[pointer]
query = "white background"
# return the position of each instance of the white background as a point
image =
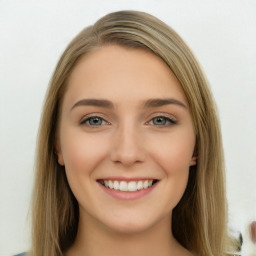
(33, 34)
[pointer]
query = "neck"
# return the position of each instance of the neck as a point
(95, 239)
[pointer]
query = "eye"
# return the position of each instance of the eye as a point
(94, 121)
(162, 121)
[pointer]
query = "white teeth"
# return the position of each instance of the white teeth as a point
(132, 186)
(145, 184)
(116, 185)
(123, 186)
(140, 185)
(127, 186)
(110, 184)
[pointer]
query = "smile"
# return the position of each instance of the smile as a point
(127, 186)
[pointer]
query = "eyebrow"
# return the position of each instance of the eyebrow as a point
(162, 102)
(94, 102)
(147, 104)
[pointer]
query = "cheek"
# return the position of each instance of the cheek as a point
(174, 152)
(173, 155)
(82, 152)
(82, 155)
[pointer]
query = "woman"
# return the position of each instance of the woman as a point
(130, 158)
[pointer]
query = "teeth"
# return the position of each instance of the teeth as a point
(116, 185)
(127, 186)
(140, 185)
(110, 184)
(123, 186)
(132, 186)
(145, 184)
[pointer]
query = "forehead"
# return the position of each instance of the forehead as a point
(116, 72)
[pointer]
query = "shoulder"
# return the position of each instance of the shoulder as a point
(21, 254)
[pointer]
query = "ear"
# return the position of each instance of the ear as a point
(193, 161)
(59, 153)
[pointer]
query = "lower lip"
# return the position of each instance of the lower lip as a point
(123, 195)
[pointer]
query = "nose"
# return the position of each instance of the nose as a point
(128, 147)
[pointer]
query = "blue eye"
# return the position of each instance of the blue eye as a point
(98, 121)
(162, 121)
(94, 121)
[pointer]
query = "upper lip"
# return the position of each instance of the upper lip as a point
(119, 178)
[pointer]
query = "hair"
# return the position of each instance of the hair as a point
(199, 219)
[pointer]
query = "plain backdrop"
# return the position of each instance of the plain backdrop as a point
(33, 34)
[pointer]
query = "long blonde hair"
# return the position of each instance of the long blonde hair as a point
(199, 220)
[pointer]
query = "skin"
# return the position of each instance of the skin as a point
(128, 142)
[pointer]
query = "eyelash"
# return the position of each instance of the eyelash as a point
(169, 120)
(84, 121)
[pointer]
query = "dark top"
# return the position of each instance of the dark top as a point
(21, 254)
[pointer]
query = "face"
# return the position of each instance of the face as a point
(126, 139)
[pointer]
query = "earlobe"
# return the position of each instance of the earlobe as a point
(59, 153)
(193, 161)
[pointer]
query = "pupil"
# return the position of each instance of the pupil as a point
(95, 121)
(159, 120)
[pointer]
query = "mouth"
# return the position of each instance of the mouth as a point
(128, 186)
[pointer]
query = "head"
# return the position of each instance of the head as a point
(202, 205)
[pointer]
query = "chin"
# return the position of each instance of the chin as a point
(131, 224)
(129, 228)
